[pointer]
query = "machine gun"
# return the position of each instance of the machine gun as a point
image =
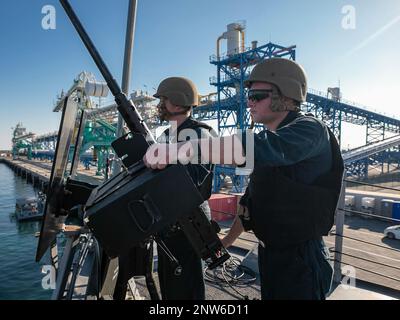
(126, 210)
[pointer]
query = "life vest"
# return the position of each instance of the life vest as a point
(286, 212)
(205, 185)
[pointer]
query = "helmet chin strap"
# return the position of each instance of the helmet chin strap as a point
(164, 114)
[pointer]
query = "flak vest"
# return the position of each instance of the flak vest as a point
(205, 187)
(285, 212)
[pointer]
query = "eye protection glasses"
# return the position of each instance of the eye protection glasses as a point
(258, 95)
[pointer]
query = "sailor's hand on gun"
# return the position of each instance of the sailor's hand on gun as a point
(160, 155)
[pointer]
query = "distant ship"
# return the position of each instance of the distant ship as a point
(30, 208)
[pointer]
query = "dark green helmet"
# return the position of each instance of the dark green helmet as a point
(180, 91)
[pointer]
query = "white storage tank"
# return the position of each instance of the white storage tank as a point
(233, 37)
(96, 89)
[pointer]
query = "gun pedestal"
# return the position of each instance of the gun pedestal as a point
(63, 283)
(79, 276)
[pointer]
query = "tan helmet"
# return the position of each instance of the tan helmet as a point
(286, 74)
(180, 91)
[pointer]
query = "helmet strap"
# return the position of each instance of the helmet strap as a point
(164, 114)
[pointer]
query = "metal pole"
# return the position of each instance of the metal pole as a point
(340, 215)
(129, 40)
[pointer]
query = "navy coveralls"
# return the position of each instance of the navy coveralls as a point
(189, 285)
(300, 271)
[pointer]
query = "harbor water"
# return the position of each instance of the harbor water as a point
(20, 276)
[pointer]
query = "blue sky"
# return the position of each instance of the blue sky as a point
(176, 37)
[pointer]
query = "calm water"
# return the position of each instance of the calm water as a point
(20, 275)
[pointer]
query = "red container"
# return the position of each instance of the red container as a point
(223, 206)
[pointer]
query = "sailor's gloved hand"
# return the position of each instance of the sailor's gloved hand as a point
(160, 155)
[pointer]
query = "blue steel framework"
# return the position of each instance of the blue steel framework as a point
(98, 135)
(232, 71)
(377, 125)
(230, 111)
(46, 142)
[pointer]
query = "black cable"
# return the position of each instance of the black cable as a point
(232, 215)
(230, 267)
(232, 274)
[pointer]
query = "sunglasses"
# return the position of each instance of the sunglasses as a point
(258, 95)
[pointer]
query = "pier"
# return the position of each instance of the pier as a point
(38, 172)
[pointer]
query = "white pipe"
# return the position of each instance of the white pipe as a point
(218, 43)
